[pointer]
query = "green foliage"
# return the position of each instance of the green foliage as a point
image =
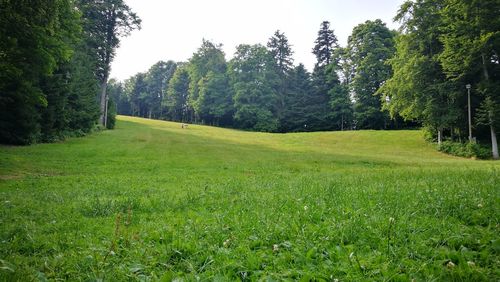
(319, 105)
(489, 113)
(370, 45)
(35, 39)
(258, 91)
(152, 201)
(157, 80)
(328, 105)
(215, 103)
(254, 81)
(177, 95)
(136, 89)
(417, 73)
(281, 52)
(342, 110)
(466, 150)
(53, 117)
(144, 94)
(326, 43)
(470, 39)
(110, 123)
(82, 108)
(50, 66)
(105, 22)
(444, 45)
(116, 92)
(209, 91)
(295, 116)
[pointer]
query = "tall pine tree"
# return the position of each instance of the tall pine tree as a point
(318, 105)
(282, 53)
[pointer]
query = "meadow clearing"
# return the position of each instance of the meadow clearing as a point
(152, 201)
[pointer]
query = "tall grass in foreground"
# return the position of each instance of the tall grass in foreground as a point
(150, 200)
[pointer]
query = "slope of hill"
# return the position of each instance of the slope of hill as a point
(153, 200)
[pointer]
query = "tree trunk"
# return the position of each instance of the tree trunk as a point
(485, 70)
(440, 136)
(104, 86)
(494, 144)
(106, 114)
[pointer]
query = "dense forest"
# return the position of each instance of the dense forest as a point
(56, 56)
(262, 89)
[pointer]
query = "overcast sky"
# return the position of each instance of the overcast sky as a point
(174, 29)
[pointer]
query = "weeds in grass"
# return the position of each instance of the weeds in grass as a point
(389, 229)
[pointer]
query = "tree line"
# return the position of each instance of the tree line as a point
(261, 89)
(55, 59)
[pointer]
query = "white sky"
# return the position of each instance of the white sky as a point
(174, 29)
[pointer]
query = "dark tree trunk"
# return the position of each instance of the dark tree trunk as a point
(104, 86)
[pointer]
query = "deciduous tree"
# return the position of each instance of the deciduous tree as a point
(370, 45)
(254, 81)
(105, 22)
(177, 95)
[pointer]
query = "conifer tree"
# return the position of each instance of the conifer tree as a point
(281, 52)
(319, 105)
(326, 42)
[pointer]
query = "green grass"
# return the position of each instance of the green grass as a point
(150, 200)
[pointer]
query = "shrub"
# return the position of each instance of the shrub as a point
(466, 150)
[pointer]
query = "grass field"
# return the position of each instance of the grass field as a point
(152, 201)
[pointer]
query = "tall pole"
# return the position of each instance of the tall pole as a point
(468, 86)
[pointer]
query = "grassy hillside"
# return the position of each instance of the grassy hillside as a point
(150, 200)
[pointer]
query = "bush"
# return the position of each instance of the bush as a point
(466, 150)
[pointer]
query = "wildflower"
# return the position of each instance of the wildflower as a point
(275, 248)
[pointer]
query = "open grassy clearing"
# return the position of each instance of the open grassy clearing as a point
(150, 200)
